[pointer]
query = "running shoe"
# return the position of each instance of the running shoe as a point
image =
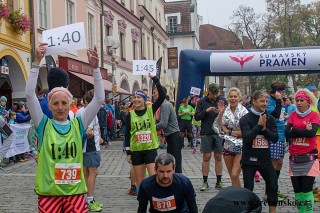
(219, 185)
(283, 195)
(98, 203)
(205, 186)
(257, 177)
(93, 207)
(132, 192)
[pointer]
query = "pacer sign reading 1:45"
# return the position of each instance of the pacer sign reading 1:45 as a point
(65, 39)
(144, 67)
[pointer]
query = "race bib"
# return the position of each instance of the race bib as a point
(260, 142)
(143, 137)
(301, 141)
(164, 204)
(67, 173)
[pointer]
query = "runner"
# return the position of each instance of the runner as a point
(169, 124)
(303, 165)
(91, 155)
(275, 108)
(258, 130)
(228, 124)
(207, 111)
(59, 181)
(141, 139)
(167, 191)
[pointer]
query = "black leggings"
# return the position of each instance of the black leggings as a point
(174, 146)
(302, 183)
(269, 175)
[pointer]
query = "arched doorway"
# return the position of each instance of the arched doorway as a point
(135, 86)
(13, 85)
(124, 85)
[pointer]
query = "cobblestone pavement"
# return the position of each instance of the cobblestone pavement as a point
(17, 183)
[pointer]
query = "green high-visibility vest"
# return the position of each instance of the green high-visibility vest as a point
(143, 133)
(60, 162)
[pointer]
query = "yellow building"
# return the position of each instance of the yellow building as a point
(15, 50)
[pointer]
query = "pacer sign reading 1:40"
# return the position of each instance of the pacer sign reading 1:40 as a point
(65, 39)
(144, 67)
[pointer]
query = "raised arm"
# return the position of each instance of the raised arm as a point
(33, 103)
(93, 107)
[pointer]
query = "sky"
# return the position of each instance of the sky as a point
(218, 12)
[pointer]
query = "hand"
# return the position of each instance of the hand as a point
(278, 95)
(221, 106)
(93, 58)
(309, 126)
(89, 133)
(263, 121)
(40, 52)
(129, 159)
(211, 109)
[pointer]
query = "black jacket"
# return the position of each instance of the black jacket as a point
(250, 129)
(207, 118)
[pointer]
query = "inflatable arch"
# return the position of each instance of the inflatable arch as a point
(194, 65)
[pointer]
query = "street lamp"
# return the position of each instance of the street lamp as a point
(112, 44)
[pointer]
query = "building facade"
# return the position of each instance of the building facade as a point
(15, 52)
(182, 25)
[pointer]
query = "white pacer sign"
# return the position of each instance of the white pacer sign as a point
(195, 91)
(268, 60)
(65, 39)
(144, 67)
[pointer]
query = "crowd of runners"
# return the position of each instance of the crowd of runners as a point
(250, 135)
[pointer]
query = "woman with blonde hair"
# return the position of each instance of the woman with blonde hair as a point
(228, 127)
(303, 164)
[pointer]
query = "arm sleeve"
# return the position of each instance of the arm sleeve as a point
(164, 117)
(143, 201)
(33, 103)
(249, 134)
(161, 97)
(298, 132)
(200, 111)
(191, 198)
(93, 107)
(271, 132)
(275, 111)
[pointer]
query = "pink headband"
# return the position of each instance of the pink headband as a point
(303, 95)
(56, 91)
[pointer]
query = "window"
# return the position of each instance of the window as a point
(122, 45)
(10, 5)
(155, 14)
(148, 47)
(70, 12)
(173, 28)
(90, 31)
(143, 45)
(132, 5)
(43, 14)
(134, 49)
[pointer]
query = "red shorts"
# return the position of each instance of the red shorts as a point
(65, 204)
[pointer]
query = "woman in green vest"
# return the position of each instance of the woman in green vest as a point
(60, 182)
(141, 140)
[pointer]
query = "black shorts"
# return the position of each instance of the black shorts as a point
(143, 157)
(185, 125)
